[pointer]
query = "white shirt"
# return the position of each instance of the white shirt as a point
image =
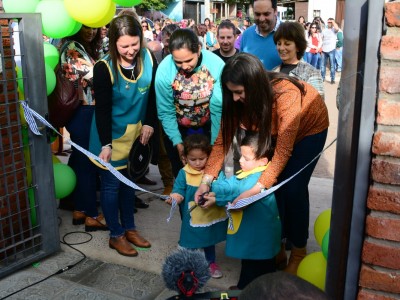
(328, 39)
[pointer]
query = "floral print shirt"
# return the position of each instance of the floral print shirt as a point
(192, 97)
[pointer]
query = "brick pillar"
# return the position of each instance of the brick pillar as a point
(380, 271)
(14, 204)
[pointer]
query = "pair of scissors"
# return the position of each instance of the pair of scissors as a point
(201, 201)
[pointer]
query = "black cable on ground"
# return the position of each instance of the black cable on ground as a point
(69, 267)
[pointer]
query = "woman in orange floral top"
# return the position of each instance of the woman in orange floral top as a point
(289, 115)
(77, 57)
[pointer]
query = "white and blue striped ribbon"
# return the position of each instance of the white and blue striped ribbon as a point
(246, 201)
(30, 114)
(174, 205)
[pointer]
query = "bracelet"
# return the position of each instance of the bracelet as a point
(109, 146)
(260, 186)
(206, 181)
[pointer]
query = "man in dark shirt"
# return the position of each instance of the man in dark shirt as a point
(226, 36)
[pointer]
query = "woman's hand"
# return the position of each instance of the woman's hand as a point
(105, 154)
(146, 133)
(181, 153)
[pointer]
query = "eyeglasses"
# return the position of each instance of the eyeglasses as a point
(144, 26)
(313, 27)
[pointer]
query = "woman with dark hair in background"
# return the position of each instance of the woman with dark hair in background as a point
(314, 45)
(125, 111)
(301, 21)
(188, 93)
(285, 112)
(77, 58)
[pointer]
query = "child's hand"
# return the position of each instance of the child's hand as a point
(210, 200)
(176, 196)
(203, 188)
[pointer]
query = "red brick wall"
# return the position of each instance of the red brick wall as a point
(14, 210)
(380, 271)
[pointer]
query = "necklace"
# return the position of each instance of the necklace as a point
(127, 86)
(131, 67)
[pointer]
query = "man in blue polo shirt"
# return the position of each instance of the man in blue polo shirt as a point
(258, 39)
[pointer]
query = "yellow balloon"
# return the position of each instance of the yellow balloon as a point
(313, 269)
(322, 224)
(107, 18)
(87, 11)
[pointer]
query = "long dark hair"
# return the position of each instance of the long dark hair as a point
(247, 70)
(92, 48)
(120, 26)
(256, 113)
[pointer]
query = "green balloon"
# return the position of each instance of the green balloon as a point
(64, 180)
(50, 79)
(127, 3)
(76, 28)
(51, 55)
(20, 6)
(325, 244)
(56, 22)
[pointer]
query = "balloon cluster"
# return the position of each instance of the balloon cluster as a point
(313, 267)
(62, 18)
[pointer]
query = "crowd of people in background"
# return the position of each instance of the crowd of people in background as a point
(204, 89)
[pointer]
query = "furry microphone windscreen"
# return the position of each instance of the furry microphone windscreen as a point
(185, 271)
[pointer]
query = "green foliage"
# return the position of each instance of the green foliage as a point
(155, 4)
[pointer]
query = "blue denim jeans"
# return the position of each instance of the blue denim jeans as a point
(117, 201)
(312, 58)
(338, 59)
(84, 195)
(324, 59)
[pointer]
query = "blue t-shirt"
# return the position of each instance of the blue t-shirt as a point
(262, 47)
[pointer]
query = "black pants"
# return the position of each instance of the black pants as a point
(253, 268)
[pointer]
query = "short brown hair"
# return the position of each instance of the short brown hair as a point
(292, 31)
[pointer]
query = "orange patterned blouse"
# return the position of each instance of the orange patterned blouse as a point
(294, 117)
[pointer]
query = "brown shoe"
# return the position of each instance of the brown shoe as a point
(135, 238)
(296, 256)
(78, 217)
(92, 224)
(122, 246)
